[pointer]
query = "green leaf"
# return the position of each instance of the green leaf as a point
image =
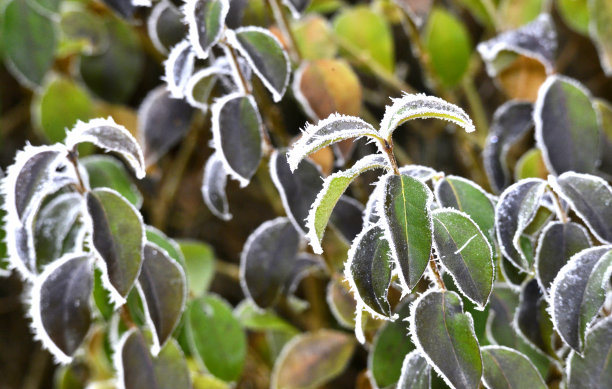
(106, 172)
(530, 165)
(60, 105)
(82, 32)
(567, 130)
(171, 247)
(531, 319)
(326, 132)
(558, 242)
(368, 270)
(333, 188)
(313, 38)
(604, 112)
(267, 259)
(239, 144)
(479, 10)
(178, 68)
(590, 197)
(416, 372)
(447, 43)
(163, 289)
(505, 368)
(29, 42)
(60, 309)
(517, 13)
(199, 265)
(341, 303)
(420, 106)
(389, 347)
(115, 73)
(578, 292)
(600, 27)
(206, 21)
(368, 34)
(118, 239)
(593, 368)
(445, 335)
(575, 13)
(312, 359)
(101, 296)
(467, 196)
(254, 318)
(408, 226)
(465, 252)
(265, 55)
(165, 26)
(516, 208)
(216, 337)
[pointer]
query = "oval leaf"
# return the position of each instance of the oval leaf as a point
(265, 55)
(578, 292)
(216, 337)
(267, 259)
(111, 137)
(118, 239)
(163, 289)
(558, 242)
(531, 320)
(420, 106)
(333, 188)
(165, 26)
(312, 359)
(206, 20)
(200, 86)
(416, 372)
(179, 68)
(505, 368)
(408, 226)
(600, 12)
(239, 143)
(465, 252)
(106, 172)
(440, 329)
(516, 208)
(213, 188)
(593, 369)
(368, 270)
(199, 265)
(566, 126)
(60, 309)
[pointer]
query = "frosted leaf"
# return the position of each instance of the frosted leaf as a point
(504, 367)
(200, 86)
(206, 21)
(537, 40)
(165, 26)
(111, 137)
(213, 188)
(326, 132)
(304, 265)
(229, 71)
(511, 122)
(179, 68)
(333, 187)
(416, 372)
(531, 320)
(421, 106)
(593, 369)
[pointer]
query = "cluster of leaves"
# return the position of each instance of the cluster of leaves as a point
(431, 271)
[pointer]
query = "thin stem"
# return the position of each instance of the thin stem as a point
(388, 148)
(434, 269)
(228, 269)
(241, 80)
(559, 208)
(72, 157)
(283, 24)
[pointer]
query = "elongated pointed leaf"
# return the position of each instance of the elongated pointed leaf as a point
(265, 55)
(416, 372)
(206, 20)
(511, 122)
(368, 270)
(138, 369)
(516, 208)
(389, 347)
(566, 126)
(444, 334)
(297, 189)
(216, 337)
(465, 252)
(594, 368)
(60, 305)
(312, 359)
(420, 106)
(326, 132)
(467, 196)
(118, 238)
(408, 226)
(164, 290)
(111, 137)
(165, 26)
(578, 292)
(179, 68)
(213, 188)
(162, 123)
(531, 320)
(237, 135)
(557, 244)
(505, 368)
(333, 188)
(590, 197)
(267, 259)
(107, 172)
(537, 40)
(600, 17)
